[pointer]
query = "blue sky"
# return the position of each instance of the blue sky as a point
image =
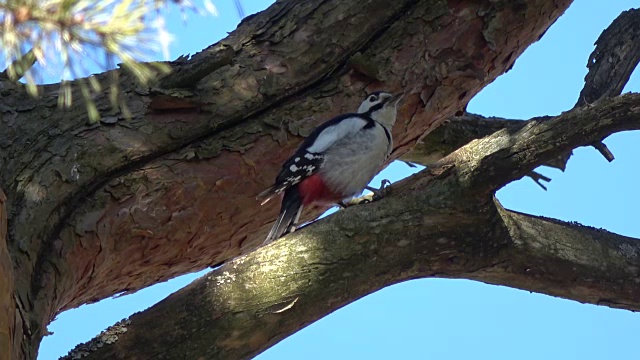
(459, 319)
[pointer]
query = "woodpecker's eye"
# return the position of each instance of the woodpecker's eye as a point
(373, 98)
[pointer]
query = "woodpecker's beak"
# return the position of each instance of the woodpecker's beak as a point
(395, 99)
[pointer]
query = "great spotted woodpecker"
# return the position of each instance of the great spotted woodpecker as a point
(336, 161)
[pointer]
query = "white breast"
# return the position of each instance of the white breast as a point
(354, 160)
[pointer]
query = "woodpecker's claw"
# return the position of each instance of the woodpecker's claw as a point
(382, 191)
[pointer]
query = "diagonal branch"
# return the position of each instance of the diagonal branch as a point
(508, 156)
(429, 227)
(456, 132)
(611, 63)
(459, 131)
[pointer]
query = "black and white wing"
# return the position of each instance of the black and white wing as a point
(309, 157)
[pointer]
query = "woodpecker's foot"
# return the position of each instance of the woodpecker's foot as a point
(342, 205)
(382, 191)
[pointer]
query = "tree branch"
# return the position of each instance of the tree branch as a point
(456, 132)
(440, 222)
(611, 63)
(511, 156)
(538, 178)
(576, 253)
(459, 131)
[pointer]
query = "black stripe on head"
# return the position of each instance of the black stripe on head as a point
(375, 107)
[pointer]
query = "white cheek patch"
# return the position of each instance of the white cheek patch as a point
(366, 105)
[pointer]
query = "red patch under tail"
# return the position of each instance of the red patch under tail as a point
(313, 190)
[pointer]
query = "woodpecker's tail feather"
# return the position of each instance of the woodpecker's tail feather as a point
(269, 193)
(266, 195)
(289, 214)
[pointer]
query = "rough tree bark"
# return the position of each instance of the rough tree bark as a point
(95, 210)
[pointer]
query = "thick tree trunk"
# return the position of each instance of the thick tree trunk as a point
(95, 210)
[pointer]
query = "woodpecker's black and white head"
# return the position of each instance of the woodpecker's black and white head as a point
(381, 107)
